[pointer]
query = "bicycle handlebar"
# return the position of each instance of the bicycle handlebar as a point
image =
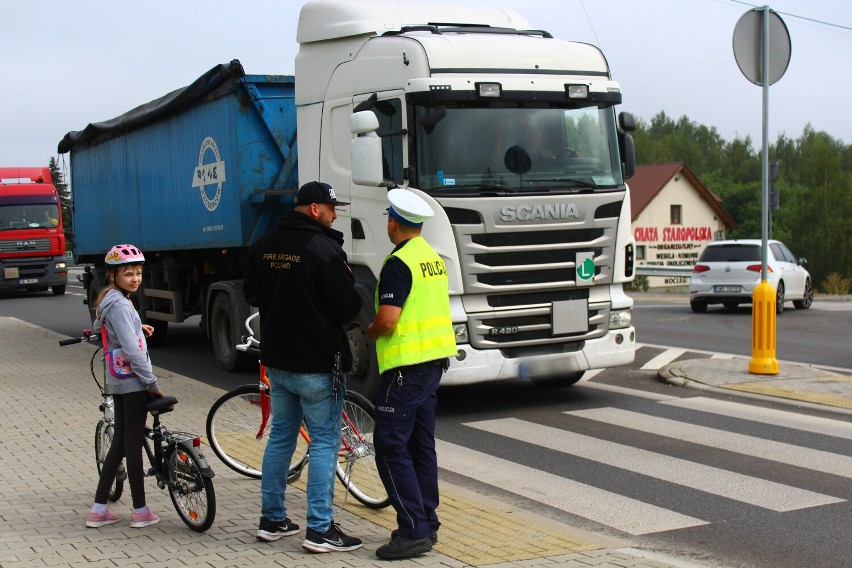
(248, 343)
(88, 336)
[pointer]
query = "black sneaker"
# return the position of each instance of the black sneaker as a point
(433, 536)
(403, 547)
(270, 531)
(330, 541)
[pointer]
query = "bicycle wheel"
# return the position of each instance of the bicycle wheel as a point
(103, 440)
(356, 466)
(192, 493)
(237, 432)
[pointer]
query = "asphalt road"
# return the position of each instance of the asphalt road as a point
(819, 336)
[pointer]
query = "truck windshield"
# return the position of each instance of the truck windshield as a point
(28, 216)
(510, 149)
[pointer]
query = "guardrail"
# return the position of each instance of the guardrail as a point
(655, 270)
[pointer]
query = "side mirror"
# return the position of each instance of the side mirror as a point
(626, 125)
(803, 261)
(626, 122)
(366, 149)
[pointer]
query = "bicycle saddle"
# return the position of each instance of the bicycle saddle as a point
(161, 405)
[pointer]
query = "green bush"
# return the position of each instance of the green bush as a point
(639, 284)
(835, 283)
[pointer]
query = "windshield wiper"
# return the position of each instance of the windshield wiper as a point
(476, 187)
(576, 181)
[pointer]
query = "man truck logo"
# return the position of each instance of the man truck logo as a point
(209, 174)
(585, 266)
(512, 213)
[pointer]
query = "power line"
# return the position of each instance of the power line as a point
(847, 28)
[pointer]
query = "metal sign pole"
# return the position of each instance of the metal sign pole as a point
(757, 32)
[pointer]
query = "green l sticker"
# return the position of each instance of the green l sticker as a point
(585, 266)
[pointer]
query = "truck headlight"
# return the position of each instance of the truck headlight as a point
(460, 330)
(619, 319)
(60, 266)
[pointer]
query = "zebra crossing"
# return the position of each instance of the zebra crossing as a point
(689, 466)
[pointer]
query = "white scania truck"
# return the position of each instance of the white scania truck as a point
(510, 134)
(512, 137)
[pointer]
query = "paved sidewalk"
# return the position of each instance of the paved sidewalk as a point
(48, 411)
(799, 383)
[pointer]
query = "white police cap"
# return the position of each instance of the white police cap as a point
(408, 207)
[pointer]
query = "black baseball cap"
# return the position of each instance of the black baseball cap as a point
(317, 192)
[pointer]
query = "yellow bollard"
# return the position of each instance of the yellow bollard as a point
(763, 361)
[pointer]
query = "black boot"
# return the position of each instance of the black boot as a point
(403, 547)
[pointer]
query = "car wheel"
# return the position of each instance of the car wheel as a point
(779, 298)
(808, 299)
(698, 306)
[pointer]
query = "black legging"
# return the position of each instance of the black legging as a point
(130, 416)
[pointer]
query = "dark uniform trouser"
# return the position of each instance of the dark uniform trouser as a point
(404, 439)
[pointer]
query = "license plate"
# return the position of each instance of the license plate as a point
(10, 273)
(28, 281)
(728, 288)
(538, 368)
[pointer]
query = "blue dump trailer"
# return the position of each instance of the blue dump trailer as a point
(193, 179)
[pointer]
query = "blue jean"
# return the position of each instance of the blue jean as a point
(293, 396)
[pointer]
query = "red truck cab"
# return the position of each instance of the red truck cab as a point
(32, 238)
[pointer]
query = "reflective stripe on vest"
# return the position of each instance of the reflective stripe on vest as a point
(424, 331)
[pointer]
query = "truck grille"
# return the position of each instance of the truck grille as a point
(513, 271)
(25, 245)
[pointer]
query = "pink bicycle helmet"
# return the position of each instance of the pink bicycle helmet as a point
(124, 254)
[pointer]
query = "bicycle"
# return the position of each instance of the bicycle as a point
(174, 457)
(238, 424)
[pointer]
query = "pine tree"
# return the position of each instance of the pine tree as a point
(58, 180)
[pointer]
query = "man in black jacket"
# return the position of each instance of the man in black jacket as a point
(298, 276)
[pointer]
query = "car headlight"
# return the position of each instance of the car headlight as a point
(620, 319)
(460, 330)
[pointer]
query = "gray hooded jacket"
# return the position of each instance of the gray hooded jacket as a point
(124, 330)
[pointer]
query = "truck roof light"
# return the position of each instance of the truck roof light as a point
(577, 91)
(489, 90)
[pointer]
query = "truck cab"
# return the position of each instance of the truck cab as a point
(32, 237)
(511, 136)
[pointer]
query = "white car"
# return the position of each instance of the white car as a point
(728, 271)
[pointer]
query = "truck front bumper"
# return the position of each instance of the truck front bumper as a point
(470, 365)
(32, 273)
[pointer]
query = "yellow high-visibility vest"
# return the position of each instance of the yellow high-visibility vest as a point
(424, 331)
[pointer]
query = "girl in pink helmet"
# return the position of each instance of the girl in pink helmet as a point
(131, 390)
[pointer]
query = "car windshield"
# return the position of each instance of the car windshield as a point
(731, 253)
(506, 149)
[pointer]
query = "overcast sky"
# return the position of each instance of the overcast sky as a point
(66, 63)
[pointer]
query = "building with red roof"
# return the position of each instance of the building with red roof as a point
(674, 217)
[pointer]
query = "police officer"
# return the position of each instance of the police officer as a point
(414, 337)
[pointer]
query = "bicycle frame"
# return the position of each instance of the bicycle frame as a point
(347, 451)
(162, 440)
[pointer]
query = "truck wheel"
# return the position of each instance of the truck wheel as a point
(365, 379)
(225, 334)
(93, 297)
(58, 290)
